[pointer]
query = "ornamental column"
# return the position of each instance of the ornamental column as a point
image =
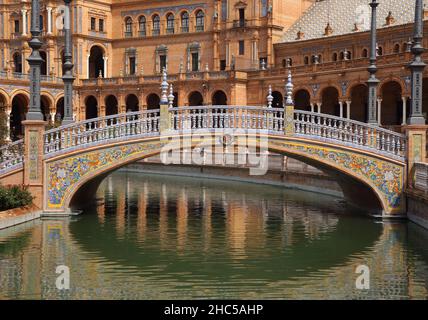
(68, 77)
(49, 10)
(24, 21)
(417, 67)
(289, 107)
(348, 110)
(403, 123)
(34, 125)
(373, 81)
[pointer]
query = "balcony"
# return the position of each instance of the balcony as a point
(16, 35)
(155, 32)
(142, 33)
(128, 34)
(200, 28)
(240, 23)
(185, 29)
(170, 31)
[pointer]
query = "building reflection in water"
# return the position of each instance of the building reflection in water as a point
(219, 239)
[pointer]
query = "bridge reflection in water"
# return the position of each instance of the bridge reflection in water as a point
(150, 236)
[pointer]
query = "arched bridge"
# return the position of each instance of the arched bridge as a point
(56, 164)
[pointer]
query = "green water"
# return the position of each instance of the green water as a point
(160, 237)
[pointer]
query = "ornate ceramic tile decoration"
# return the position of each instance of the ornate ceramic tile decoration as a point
(386, 177)
(64, 174)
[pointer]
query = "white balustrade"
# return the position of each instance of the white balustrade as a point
(122, 127)
(101, 131)
(350, 133)
(11, 156)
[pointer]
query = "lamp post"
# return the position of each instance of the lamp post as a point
(373, 81)
(417, 67)
(67, 77)
(35, 61)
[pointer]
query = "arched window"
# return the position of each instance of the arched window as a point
(142, 26)
(306, 60)
(379, 51)
(156, 25)
(128, 27)
(334, 57)
(185, 22)
(200, 21)
(342, 55)
(284, 63)
(41, 22)
(319, 58)
(17, 61)
(397, 48)
(170, 23)
(365, 53)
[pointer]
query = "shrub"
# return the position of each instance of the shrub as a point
(12, 197)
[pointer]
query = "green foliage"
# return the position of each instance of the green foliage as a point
(3, 125)
(14, 197)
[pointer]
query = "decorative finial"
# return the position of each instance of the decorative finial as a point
(409, 45)
(171, 96)
(270, 97)
(164, 87)
(328, 30)
(389, 19)
(263, 64)
(316, 59)
(289, 90)
(346, 55)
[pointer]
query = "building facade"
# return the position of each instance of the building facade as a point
(215, 51)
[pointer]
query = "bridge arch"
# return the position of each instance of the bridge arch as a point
(72, 176)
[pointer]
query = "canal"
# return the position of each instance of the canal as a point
(161, 237)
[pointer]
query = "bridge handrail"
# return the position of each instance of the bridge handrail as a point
(228, 117)
(350, 132)
(364, 124)
(11, 155)
(74, 124)
(317, 126)
(98, 130)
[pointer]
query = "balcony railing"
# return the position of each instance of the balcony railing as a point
(170, 31)
(240, 23)
(185, 29)
(200, 28)
(155, 32)
(128, 34)
(142, 33)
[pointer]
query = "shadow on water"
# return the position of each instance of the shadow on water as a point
(255, 231)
